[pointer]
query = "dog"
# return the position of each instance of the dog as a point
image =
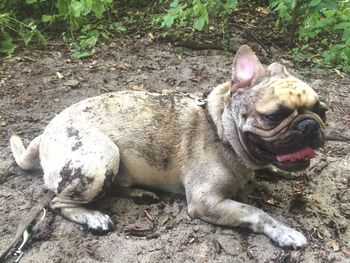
(263, 117)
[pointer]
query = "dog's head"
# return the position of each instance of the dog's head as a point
(279, 118)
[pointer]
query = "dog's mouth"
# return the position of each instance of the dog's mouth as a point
(295, 161)
(293, 158)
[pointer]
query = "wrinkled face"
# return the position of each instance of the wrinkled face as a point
(284, 122)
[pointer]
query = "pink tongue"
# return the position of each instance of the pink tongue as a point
(306, 153)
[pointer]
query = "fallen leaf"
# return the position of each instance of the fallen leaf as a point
(163, 219)
(151, 36)
(120, 66)
(334, 244)
(271, 201)
(139, 87)
(339, 74)
(59, 75)
(346, 250)
(262, 10)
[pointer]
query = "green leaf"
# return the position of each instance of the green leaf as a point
(293, 4)
(199, 23)
(105, 34)
(77, 8)
(98, 7)
(40, 37)
(174, 4)
(88, 42)
(168, 20)
(47, 18)
(343, 25)
(63, 7)
(6, 45)
(4, 19)
(230, 6)
(83, 54)
(314, 2)
(29, 2)
(346, 36)
(88, 7)
(119, 27)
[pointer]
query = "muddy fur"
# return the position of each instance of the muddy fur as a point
(170, 142)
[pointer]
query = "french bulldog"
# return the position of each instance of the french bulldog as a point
(206, 150)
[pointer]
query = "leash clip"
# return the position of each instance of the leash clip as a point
(200, 101)
(26, 236)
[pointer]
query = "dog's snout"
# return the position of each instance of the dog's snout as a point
(308, 126)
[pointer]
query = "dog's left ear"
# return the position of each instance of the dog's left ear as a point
(247, 69)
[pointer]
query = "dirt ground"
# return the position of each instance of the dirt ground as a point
(37, 84)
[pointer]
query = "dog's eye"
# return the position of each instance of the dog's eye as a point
(277, 115)
(320, 108)
(272, 118)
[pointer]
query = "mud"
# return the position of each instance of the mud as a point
(32, 91)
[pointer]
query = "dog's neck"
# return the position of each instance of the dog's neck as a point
(215, 107)
(228, 134)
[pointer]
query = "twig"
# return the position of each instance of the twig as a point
(149, 217)
(337, 137)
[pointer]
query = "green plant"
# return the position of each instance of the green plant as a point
(27, 30)
(319, 29)
(79, 16)
(196, 12)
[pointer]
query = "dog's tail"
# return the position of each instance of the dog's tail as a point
(26, 158)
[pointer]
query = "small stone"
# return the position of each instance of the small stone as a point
(163, 219)
(3, 124)
(73, 83)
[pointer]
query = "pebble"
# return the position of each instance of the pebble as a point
(72, 83)
(230, 245)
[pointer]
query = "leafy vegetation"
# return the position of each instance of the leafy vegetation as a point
(196, 12)
(318, 31)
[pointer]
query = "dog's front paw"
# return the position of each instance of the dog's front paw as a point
(286, 237)
(95, 221)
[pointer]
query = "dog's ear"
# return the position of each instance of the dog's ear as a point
(246, 70)
(276, 69)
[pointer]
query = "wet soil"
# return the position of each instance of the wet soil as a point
(35, 85)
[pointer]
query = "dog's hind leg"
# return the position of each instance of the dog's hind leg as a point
(79, 170)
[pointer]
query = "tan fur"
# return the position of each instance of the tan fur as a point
(170, 142)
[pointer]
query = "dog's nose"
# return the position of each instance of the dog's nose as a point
(308, 126)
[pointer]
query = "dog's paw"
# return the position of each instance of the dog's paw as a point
(144, 197)
(286, 237)
(95, 221)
